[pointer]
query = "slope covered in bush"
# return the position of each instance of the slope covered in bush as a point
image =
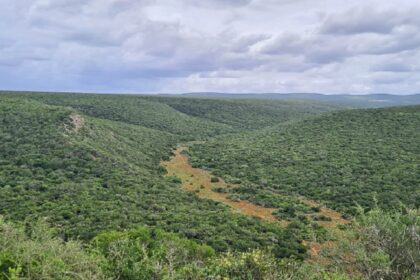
(136, 110)
(190, 118)
(343, 158)
(379, 245)
(98, 175)
(245, 114)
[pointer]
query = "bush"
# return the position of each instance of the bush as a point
(214, 180)
(321, 218)
(36, 254)
(383, 245)
(219, 189)
(149, 254)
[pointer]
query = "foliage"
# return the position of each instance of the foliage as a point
(149, 254)
(340, 158)
(245, 114)
(382, 245)
(214, 179)
(91, 165)
(136, 110)
(34, 253)
(106, 176)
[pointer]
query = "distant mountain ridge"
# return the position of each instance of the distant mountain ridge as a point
(348, 100)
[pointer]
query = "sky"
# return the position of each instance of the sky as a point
(235, 46)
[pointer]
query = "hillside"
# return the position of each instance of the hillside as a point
(346, 100)
(190, 118)
(245, 114)
(110, 187)
(138, 111)
(88, 175)
(343, 158)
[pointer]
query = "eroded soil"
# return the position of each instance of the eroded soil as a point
(198, 181)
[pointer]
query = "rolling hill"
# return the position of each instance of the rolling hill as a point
(342, 158)
(347, 100)
(91, 171)
(85, 191)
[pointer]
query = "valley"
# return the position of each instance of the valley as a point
(199, 181)
(157, 187)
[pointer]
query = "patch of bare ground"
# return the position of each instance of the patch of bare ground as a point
(76, 123)
(336, 219)
(198, 181)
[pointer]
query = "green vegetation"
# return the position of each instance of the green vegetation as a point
(379, 245)
(105, 175)
(245, 114)
(83, 194)
(138, 111)
(214, 179)
(342, 158)
(191, 119)
(35, 252)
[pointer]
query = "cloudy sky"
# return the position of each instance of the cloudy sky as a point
(328, 46)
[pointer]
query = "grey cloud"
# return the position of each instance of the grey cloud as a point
(288, 43)
(323, 48)
(315, 49)
(392, 67)
(402, 63)
(389, 78)
(218, 3)
(327, 54)
(244, 43)
(368, 20)
(64, 6)
(131, 45)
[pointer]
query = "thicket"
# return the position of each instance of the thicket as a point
(100, 182)
(190, 118)
(245, 114)
(343, 158)
(106, 176)
(379, 245)
(137, 110)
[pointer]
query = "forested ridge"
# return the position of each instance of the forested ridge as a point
(83, 194)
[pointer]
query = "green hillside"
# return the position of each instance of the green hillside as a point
(190, 118)
(95, 174)
(138, 111)
(83, 193)
(245, 114)
(343, 158)
(376, 100)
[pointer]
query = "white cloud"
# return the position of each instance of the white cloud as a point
(234, 46)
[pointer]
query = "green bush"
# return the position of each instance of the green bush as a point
(382, 245)
(214, 180)
(34, 253)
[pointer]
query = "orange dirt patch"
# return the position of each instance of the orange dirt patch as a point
(336, 218)
(198, 181)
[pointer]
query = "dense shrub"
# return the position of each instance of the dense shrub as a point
(382, 245)
(35, 253)
(342, 158)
